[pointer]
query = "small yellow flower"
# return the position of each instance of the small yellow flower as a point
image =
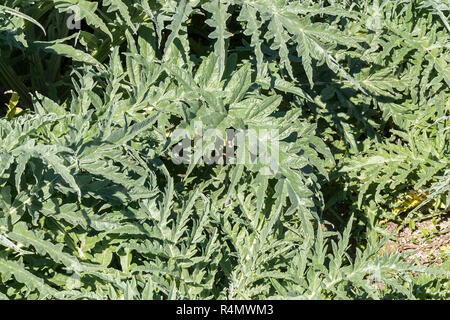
(13, 109)
(412, 199)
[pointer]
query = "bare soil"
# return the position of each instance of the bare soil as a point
(424, 248)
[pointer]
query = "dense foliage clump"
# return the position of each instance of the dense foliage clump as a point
(92, 204)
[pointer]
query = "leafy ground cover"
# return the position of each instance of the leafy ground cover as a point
(353, 96)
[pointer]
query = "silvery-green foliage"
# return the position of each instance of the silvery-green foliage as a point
(92, 206)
